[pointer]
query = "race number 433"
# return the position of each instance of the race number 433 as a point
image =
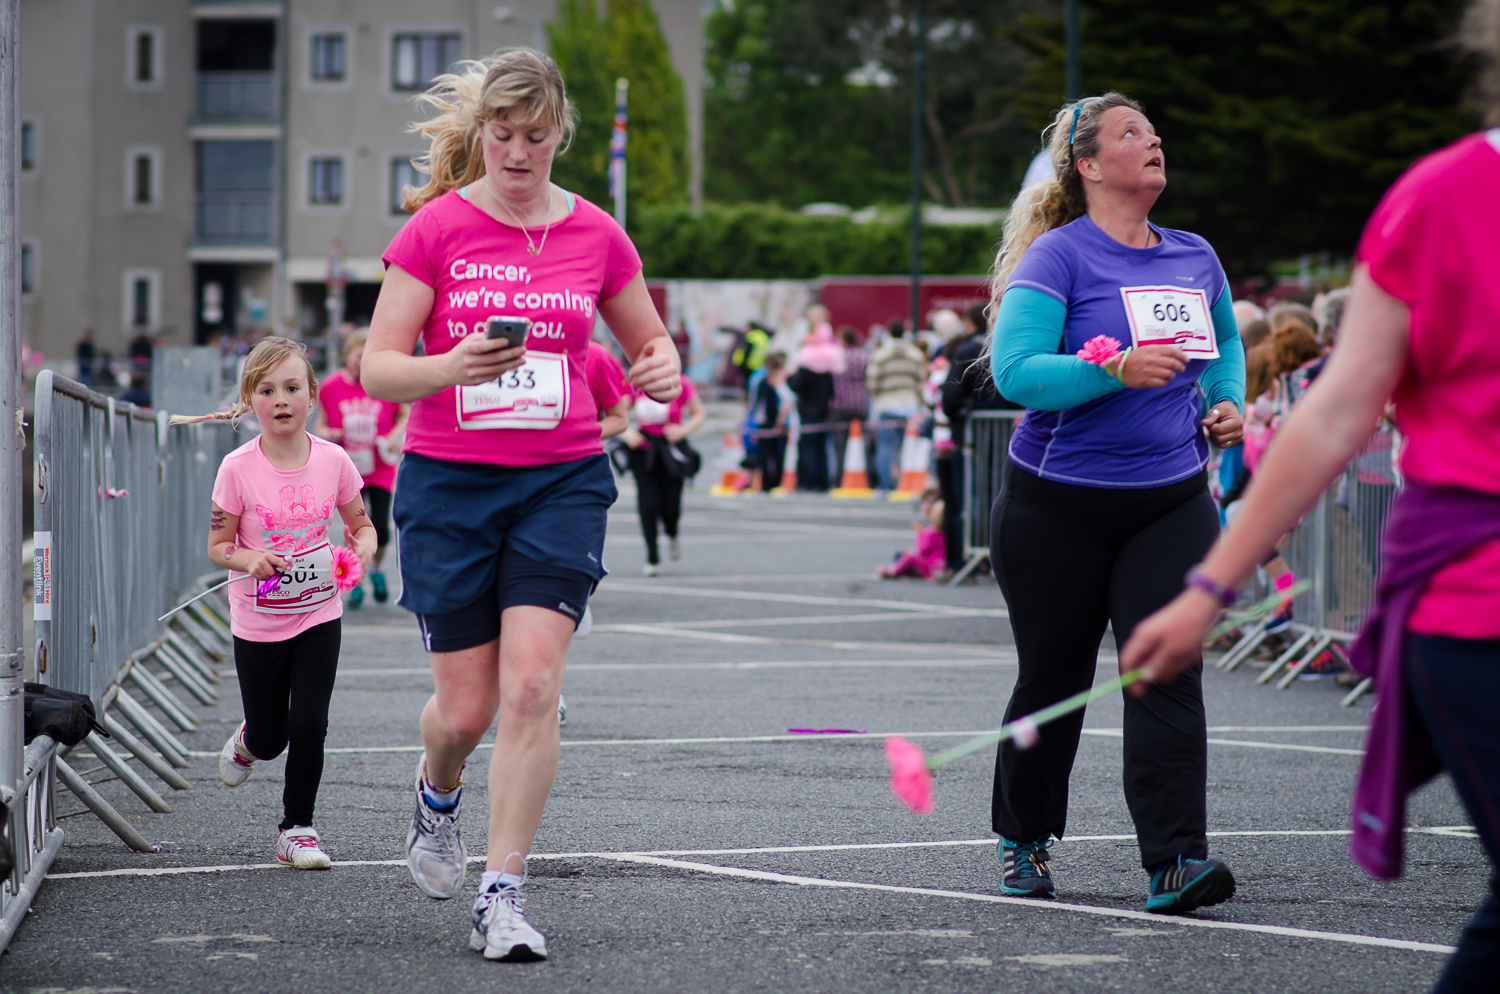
(1171, 315)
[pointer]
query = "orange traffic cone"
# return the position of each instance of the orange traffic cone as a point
(915, 453)
(855, 483)
(788, 466)
(732, 477)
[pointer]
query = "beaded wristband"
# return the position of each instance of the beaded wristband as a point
(1223, 594)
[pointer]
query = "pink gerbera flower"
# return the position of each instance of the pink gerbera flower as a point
(1099, 350)
(911, 781)
(346, 568)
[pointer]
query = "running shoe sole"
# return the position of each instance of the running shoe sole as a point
(1028, 892)
(1215, 886)
(519, 953)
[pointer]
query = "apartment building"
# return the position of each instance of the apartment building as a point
(190, 167)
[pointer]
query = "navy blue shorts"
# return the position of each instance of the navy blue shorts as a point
(520, 580)
(457, 522)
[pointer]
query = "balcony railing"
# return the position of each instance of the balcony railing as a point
(236, 219)
(237, 98)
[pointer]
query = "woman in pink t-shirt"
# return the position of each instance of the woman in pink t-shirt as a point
(274, 500)
(661, 462)
(503, 492)
(1420, 327)
(370, 431)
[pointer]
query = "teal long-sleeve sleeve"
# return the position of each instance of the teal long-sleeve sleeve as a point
(1025, 361)
(1224, 379)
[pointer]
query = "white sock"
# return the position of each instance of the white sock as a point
(440, 800)
(492, 878)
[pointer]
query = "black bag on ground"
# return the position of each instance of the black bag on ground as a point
(62, 714)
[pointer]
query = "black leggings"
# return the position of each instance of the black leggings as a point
(1071, 560)
(658, 497)
(285, 688)
(378, 506)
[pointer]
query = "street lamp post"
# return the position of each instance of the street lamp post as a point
(1071, 83)
(918, 72)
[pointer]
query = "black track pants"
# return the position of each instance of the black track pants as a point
(658, 498)
(1070, 561)
(285, 688)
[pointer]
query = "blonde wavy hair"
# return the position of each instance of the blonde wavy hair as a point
(482, 90)
(260, 363)
(1479, 36)
(1059, 199)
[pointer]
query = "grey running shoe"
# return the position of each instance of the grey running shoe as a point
(434, 851)
(674, 548)
(501, 931)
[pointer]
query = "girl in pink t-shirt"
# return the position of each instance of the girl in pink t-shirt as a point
(371, 432)
(273, 503)
(504, 490)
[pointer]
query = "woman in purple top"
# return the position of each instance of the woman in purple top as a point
(1119, 338)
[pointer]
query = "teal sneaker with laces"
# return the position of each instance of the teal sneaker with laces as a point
(357, 598)
(1024, 869)
(1181, 885)
(382, 593)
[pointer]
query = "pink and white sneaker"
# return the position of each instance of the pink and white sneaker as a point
(235, 762)
(298, 847)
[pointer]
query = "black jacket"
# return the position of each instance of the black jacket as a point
(969, 386)
(814, 394)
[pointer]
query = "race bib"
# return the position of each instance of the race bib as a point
(363, 459)
(533, 395)
(1171, 315)
(306, 584)
(651, 412)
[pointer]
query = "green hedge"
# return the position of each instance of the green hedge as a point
(753, 241)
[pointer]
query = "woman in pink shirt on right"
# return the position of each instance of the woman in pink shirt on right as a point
(1420, 328)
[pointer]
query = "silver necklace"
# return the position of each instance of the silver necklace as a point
(531, 246)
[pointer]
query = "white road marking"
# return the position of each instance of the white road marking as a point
(637, 587)
(1119, 733)
(169, 871)
(1032, 904)
(726, 739)
(767, 665)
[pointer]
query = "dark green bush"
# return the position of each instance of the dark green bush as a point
(754, 241)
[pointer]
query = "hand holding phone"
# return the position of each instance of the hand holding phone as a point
(512, 329)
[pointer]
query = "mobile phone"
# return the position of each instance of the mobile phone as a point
(512, 329)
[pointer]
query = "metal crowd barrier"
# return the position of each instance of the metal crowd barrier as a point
(986, 447)
(120, 502)
(1336, 546)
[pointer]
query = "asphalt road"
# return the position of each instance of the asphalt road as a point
(693, 844)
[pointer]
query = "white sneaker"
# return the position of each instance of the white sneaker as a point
(298, 847)
(650, 569)
(562, 710)
(502, 931)
(674, 548)
(434, 849)
(234, 768)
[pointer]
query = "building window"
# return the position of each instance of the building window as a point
(28, 146)
(417, 59)
(403, 174)
(328, 58)
(142, 304)
(28, 268)
(142, 178)
(143, 58)
(325, 181)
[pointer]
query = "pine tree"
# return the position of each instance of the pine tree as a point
(592, 53)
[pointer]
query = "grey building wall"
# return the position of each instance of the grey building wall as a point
(76, 212)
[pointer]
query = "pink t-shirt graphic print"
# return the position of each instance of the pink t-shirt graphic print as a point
(543, 412)
(288, 512)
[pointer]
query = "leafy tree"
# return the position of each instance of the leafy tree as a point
(810, 100)
(594, 51)
(1283, 121)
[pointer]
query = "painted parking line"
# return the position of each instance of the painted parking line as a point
(811, 664)
(841, 736)
(637, 587)
(1034, 905)
(1452, 831)
(741, 873)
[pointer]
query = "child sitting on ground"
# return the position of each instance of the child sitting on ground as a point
(927, 556)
